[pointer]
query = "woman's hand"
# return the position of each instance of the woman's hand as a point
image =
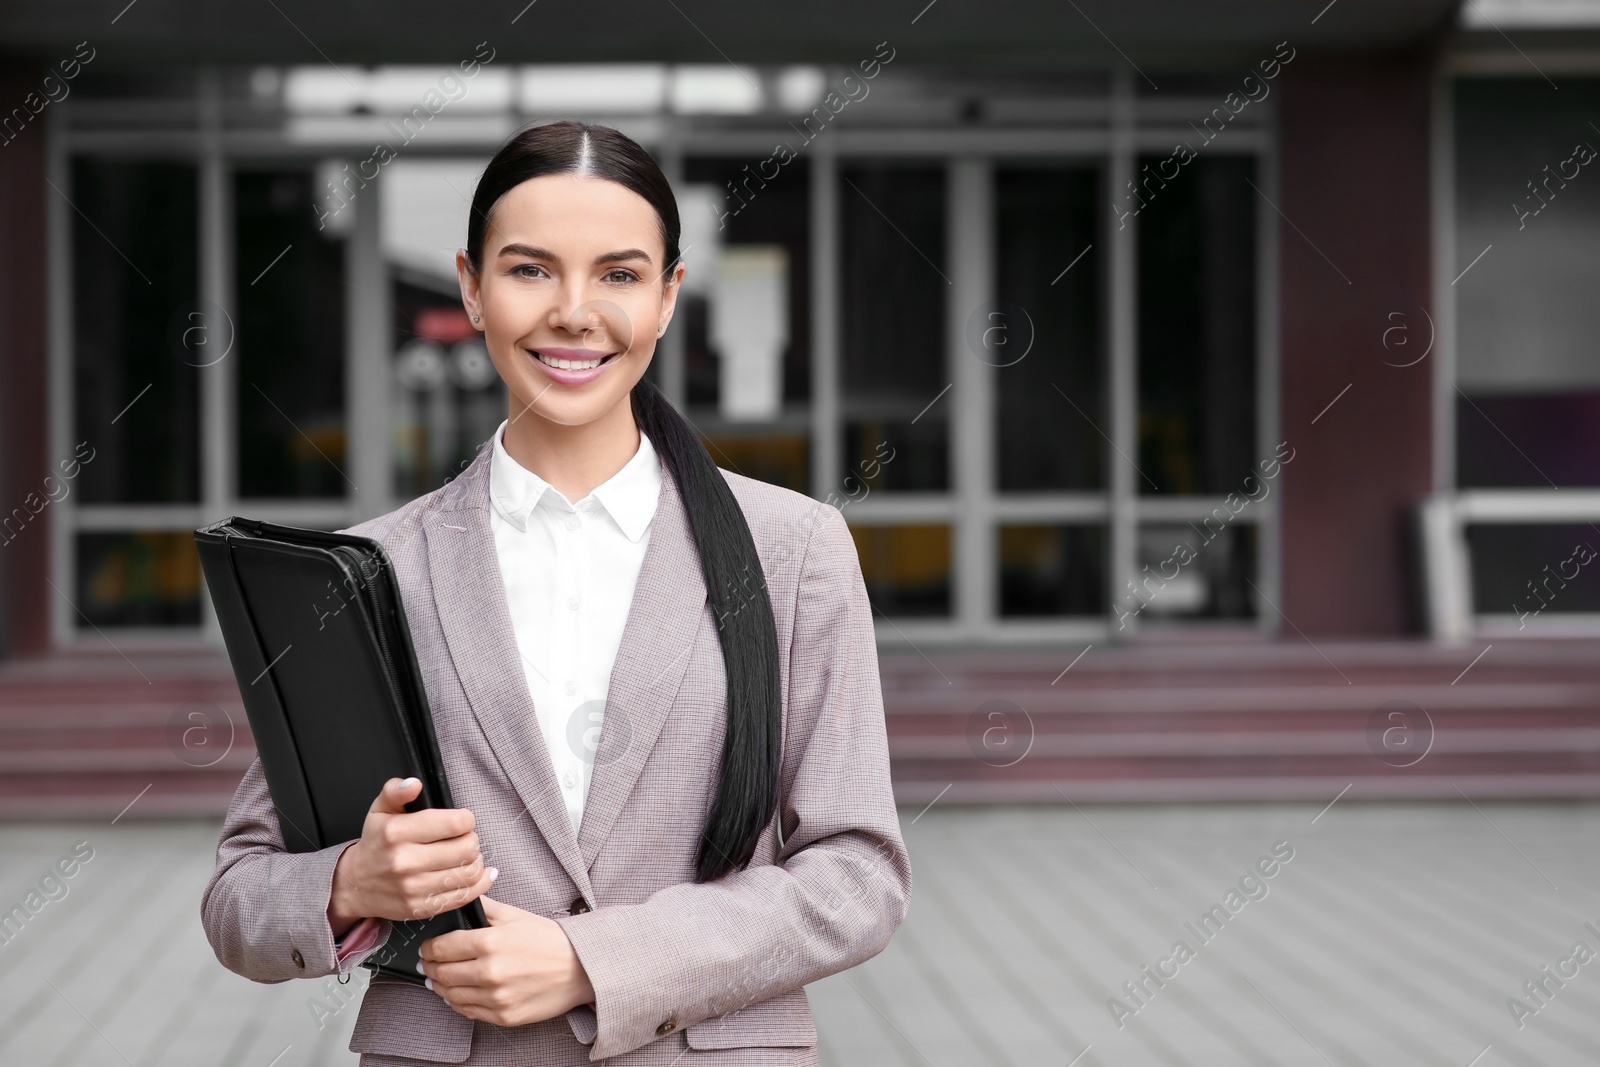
(407, 865)
(520, 970)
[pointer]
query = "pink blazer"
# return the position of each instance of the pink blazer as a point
(718, 967)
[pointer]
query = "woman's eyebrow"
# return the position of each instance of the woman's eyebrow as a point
(527, 250)
(625, 254)
(541, 253)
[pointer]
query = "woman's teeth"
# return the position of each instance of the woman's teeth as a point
(570, 364)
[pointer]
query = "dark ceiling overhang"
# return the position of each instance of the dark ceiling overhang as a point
(1021, 34)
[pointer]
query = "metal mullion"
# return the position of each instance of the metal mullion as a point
(924, 634)
(1443, 171)
(1012, 632)
(757, 144)
(1155, 138)
(218, 419)
(58, 238)
(1269, 535)
(884, 509)
(825, 281)
(118, 517)
(969, 193)
(1197, 508)
(1122, 235)
(1447, 560)
(112, 517)
(1557, 625)
(368, 321)
(1051, 507)
(945, 142)
(1528, 506)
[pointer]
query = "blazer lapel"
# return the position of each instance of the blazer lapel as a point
(470, 596)
(651, 663)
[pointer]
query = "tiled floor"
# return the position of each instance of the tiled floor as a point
(1394, 935)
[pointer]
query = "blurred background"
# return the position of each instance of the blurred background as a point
(1212, 390)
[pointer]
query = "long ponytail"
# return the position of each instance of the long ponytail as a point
(747, 793)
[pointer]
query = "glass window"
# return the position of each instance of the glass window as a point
(726, 209)
(781, 458)
(893, 290)
(906, 568)
(1050, 383)
(144, 578)
(448, 397)
(745, 315)
(1197, 336)
(289, 275)
(139, 331)
(1534, 571)
(742, 347)
(1052, 570)
(1528, 203)
(1194, 571)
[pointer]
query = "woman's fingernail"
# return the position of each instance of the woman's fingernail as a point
(408, 783)
(428, 984)
(494, 872)
(420, 968)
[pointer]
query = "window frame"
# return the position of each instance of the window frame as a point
(1114, 130)
(1452, 615)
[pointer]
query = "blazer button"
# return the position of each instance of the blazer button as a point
(299, 960)
(670, 1025)
(579, 906)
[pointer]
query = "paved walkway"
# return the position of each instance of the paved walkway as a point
(1394, 934)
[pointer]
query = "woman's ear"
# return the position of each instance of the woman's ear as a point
(468, 280)
(669, 296)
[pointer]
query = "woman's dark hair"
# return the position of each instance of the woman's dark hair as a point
(747, 795)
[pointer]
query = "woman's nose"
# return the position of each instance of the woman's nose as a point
(569, 311)
(599, 322)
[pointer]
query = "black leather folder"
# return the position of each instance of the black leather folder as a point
(317, 636)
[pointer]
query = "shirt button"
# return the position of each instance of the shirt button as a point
(572, 602)
(570, 780)
(572, 523)
(572, 687)
(667, 1027)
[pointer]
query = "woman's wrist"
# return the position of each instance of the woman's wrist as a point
(344, 912)
(581, 990)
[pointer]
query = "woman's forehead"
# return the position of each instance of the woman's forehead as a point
(577, 211)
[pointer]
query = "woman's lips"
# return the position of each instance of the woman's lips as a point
(584, 364)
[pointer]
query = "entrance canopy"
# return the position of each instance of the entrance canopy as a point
(1033, 33)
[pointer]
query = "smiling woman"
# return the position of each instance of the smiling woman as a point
(668, 667)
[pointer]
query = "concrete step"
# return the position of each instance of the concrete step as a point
(85, 737)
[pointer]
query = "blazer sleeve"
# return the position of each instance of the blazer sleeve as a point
(265, 909)
(840, 883)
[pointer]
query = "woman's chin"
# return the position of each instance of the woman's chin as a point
(561, 407)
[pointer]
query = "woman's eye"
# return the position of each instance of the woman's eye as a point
(621, 276)
(519, 271)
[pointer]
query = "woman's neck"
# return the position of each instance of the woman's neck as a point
(574, 459)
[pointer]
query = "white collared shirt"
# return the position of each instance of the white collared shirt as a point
(570, 571)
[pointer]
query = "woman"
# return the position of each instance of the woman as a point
(661, 895)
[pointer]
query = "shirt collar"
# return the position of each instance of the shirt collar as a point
(628, 496)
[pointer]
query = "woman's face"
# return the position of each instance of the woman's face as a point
(571, 296)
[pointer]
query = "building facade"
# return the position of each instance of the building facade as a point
(1100, 325)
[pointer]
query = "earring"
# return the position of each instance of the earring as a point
(474, 318)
